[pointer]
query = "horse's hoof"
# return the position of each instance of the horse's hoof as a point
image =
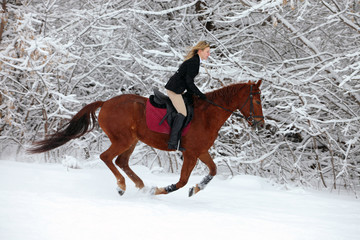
(146, 190)
(153, 191)
(193, 191)
(120, 191)
(157, 191)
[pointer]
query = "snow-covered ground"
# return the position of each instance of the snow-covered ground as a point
(50, 202)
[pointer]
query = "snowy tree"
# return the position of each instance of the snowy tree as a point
(56, 56)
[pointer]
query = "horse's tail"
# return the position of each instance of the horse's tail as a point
(78, 126)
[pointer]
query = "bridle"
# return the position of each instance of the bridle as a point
(251, 117)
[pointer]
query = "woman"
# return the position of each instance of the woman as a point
(183, 80)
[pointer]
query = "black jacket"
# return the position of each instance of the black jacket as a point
(183, 79)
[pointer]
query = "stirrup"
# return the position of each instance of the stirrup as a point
(177, 148)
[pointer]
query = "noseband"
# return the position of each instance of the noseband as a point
(251, 117)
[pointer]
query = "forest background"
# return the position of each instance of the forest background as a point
(59, 55)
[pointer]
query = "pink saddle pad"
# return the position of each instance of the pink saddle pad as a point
(154, 116)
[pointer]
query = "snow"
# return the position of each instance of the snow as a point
(50, 201)
(167, 11)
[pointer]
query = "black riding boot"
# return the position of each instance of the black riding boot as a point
(175, 133)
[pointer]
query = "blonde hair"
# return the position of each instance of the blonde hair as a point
(194, 50)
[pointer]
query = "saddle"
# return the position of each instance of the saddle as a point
(161, 111)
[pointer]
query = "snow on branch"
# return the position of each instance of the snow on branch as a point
(56, 57)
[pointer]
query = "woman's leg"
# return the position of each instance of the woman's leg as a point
(178, 122)
(178, 102)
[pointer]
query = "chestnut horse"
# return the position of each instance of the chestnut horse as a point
(123, 120)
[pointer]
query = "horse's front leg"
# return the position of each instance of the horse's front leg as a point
(187, 167)
(205, 158)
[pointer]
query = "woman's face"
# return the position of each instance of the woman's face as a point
(204, 54)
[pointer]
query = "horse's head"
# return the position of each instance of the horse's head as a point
(251, 108)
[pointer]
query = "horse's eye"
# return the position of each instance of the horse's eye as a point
(258, 102)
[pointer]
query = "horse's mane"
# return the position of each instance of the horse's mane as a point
(227, 93)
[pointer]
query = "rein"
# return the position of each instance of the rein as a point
(251, 117)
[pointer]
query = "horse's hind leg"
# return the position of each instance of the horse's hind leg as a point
(108, 157)
(205, 158)
(123, 162)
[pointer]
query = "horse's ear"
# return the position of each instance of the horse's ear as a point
(259, 83)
